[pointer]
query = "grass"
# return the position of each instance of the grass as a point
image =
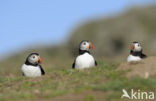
(61, 81)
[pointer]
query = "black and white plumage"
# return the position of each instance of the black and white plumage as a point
(136, 53)
(84, 59)
(32, 67)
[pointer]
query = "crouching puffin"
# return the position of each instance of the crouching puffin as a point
(84, 59)
(32, 67)
(136, 53)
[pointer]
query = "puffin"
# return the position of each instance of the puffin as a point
(84, 59)
(32, 67)
(136, 54)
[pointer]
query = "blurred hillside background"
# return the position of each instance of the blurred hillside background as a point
(54, 28)
(57, 27)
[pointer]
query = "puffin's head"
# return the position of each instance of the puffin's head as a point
(86, 45)
(34, 58)
(136, 47)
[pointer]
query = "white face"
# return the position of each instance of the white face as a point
(34, 59)
(136, 47)
(84, 45)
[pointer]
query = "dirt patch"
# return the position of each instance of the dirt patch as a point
(145, 68)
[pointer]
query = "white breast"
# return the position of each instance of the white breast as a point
(84, 61)
(31, 71)
(132, 58)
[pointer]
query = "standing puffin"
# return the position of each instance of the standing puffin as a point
(84, 59)
(136, 53)
(32, 67)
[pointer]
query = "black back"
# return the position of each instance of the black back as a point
(83, 51)
(140, 54)
(28, 63)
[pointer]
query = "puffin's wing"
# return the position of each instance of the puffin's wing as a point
(73, 66)
(23, 73)
(143, 56)
(42, 71)
(95, 63)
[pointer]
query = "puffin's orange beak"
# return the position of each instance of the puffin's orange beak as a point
(41, 61)
(132, 47)
(91, 46)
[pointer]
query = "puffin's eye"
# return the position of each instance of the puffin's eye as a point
(84, 43)
(33, 56)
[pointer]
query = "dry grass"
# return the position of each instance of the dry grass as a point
(145, 68)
